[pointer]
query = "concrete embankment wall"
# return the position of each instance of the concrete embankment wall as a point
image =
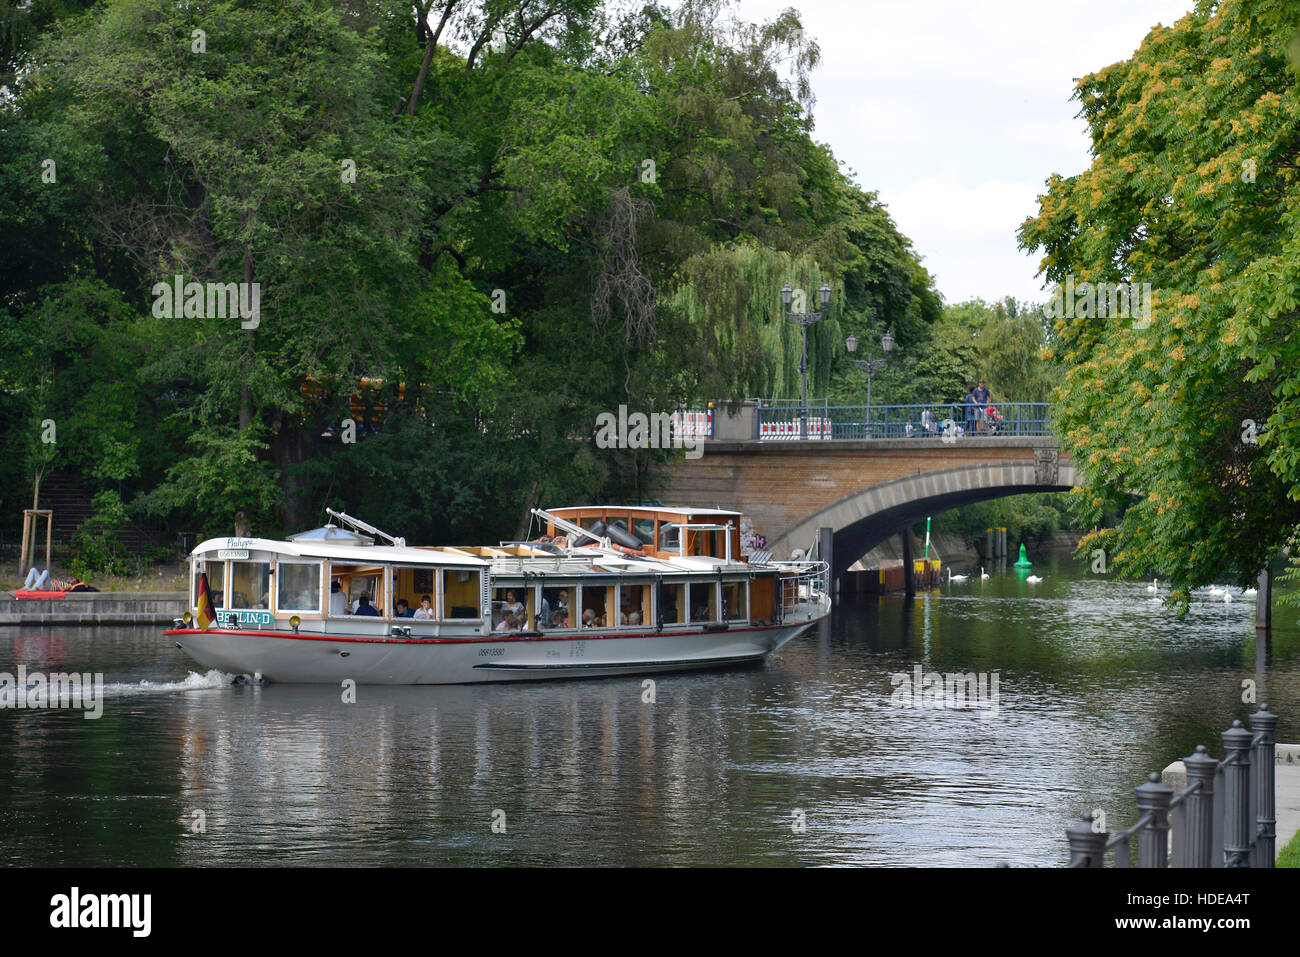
(88, 608)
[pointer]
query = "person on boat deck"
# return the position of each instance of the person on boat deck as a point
(338, 601)
(562, 603)
(403, 609)
(513, 605)
(364, 607)
(634, 618)
(425, 611)
(588, 619)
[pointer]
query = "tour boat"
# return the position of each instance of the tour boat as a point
(605, 590)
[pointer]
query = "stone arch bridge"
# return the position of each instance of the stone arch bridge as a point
(863, 490)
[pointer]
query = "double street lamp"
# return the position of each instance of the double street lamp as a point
(805, 319)
(870, 365)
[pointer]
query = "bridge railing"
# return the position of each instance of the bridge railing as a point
(782, 422)
(1226, 817)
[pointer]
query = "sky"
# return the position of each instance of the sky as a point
(957, 112)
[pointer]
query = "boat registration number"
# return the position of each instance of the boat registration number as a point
(491, 652)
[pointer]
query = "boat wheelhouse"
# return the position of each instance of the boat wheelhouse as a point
(604, 590)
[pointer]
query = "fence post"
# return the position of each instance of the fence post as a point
(1201, 769)
(1153, 840)
(1087, 847)
(1236, 797)
(1263, 722)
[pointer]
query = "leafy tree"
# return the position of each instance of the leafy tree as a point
(1192, 189)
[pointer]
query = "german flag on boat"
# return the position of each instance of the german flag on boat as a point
(204, 615)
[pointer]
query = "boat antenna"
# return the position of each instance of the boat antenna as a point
(569, 527)
(359, 526)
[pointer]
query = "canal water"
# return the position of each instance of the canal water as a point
(810, 759)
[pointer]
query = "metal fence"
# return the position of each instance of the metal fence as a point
(1225, 817)
(781, 421)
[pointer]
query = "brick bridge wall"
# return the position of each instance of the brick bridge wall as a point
(865, 490)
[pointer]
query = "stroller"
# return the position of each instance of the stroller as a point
(993, 420)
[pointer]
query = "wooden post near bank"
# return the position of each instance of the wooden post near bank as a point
(29, 535)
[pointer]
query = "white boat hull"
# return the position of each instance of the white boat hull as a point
(332, 659)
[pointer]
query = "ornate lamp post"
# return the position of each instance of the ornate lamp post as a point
(805, 319)
(870, 365)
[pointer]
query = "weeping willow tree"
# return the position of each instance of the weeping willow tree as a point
(731, 299)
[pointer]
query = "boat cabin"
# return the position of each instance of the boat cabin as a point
(665, 532)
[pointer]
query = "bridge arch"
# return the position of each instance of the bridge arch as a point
(865, 518)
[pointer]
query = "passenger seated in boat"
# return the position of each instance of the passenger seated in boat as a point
(589, 619)
(543, 615)
(338, 601)
(513, 606)
(560, 618)
(403, 609)
(634, 618)
(425, 611)
(365, 608)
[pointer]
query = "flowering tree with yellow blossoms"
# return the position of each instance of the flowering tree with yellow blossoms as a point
(1194, 188)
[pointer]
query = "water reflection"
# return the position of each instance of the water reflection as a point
(1098, 686)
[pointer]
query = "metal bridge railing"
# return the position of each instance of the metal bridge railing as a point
(1226, 817)
(947, 421)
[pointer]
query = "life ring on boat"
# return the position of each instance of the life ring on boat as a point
(635, 552)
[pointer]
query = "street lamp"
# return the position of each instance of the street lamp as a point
(804, 319)
(870, 365)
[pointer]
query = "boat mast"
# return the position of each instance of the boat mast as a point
(360, 526)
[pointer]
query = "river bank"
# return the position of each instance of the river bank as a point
(91, 608)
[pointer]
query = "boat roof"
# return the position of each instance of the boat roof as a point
(361, 554)
(682, 510)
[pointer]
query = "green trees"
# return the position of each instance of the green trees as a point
(505, 218)
(1193, 188)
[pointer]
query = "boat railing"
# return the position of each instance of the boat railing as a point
(802, 581)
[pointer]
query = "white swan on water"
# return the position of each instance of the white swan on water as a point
(983, 574)
(1227, 595)
(1154, 586)
(955, 578)
(1250, 593)
(1215, 591)
(1033, 579)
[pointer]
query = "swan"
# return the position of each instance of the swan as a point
(1250, 593)
(1215, 591)
(1227, 595)
(955, 578)
(1033, 579)
(983, 574)
(1154, 586)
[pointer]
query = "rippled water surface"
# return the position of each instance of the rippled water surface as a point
(803, 761)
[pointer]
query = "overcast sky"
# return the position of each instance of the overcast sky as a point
(957, 112)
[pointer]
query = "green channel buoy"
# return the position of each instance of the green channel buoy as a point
(1023, 561)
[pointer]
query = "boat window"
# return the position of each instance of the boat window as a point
(298, 586)
(644, 529)
(592, 599)
(620, 522)
(670, 536)
(460, 596)
(559, 602)
(703, 607)
(704, 543)
(634, 605)
(673, 611)
(412, 584)
(735, 601)
(355, 581)
(512, 609)
(250, 585)
(216, 572)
